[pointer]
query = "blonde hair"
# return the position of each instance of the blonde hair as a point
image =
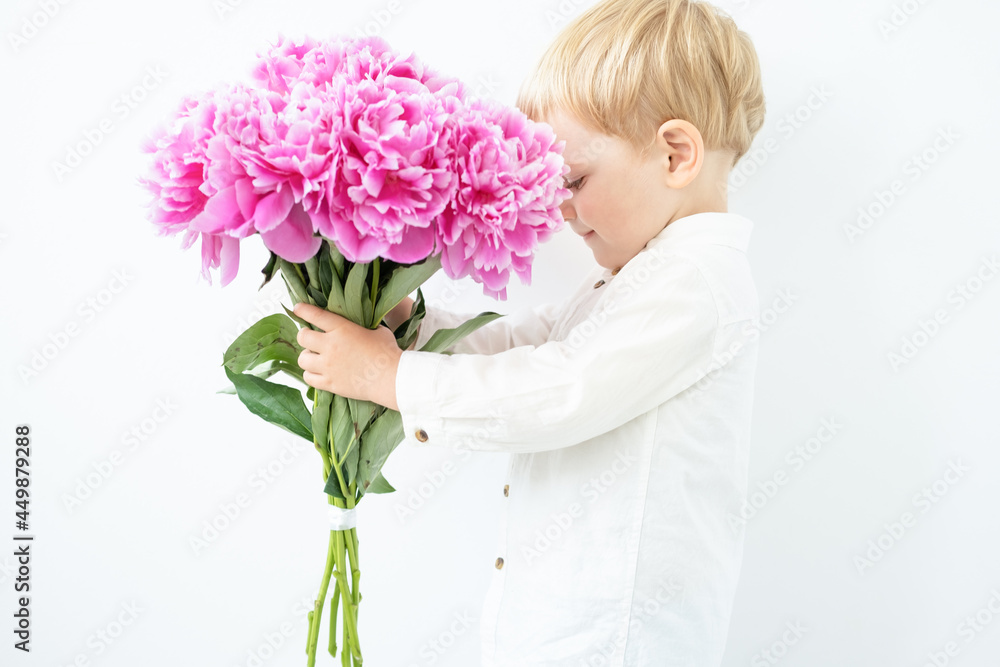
(624, 67)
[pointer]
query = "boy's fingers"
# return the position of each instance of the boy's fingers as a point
(308, 338)
(321, 317)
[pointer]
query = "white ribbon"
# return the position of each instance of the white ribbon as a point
(342, 518)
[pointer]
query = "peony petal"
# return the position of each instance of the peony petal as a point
(416, 245)
(229, 258)
(293, 239)
(245, 197)
(273, 209)
(221, 213)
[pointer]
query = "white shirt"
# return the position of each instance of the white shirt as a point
(626, 414)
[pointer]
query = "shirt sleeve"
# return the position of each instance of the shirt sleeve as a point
(653, 337)
(525, 327)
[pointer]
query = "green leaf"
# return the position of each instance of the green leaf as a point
(380, 485)
(355, 290)
(341, 426)
(402, 282)
(366, 309)
(321, 420)
(337, 261)
(408, 331)
(275, 403)
(265, 371)
(384, 435)
(332, 486)
(325, 268)
(296, 318)
(268, 270)
(318, 297)
(445, 338)
(336, 302)
(293, 281)
(350, 465)
(272, 338)
(361, 412)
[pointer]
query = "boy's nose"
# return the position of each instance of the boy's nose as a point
(567, 210)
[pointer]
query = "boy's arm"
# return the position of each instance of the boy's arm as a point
(524, 327)
(530, 326)
(612, 367)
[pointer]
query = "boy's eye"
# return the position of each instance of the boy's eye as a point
(574, 185)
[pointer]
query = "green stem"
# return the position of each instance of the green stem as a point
(345, 653)
(332, 648)
(318, 604)
(375, 266)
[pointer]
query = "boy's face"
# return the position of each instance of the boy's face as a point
(619, 202)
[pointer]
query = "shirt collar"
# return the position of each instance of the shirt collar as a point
(715, 228)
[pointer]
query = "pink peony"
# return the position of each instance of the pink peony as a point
(177, 181)
(253, 173)
(395, 173)
(507, 201)
(367, 147)
(279, 67)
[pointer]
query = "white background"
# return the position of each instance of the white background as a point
(849, 107)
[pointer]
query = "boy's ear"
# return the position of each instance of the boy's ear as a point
(681, 150)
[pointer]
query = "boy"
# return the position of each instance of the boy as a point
(625, 410)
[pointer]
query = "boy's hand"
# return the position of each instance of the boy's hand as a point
(346, 358)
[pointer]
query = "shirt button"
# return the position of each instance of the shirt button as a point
(598, 283)
(421, 435)
(505, 488)
(615, 272)
(499, 563)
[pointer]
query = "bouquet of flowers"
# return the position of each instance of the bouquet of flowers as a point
(364, 172)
